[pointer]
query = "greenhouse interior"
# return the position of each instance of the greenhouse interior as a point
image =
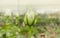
(29, 18)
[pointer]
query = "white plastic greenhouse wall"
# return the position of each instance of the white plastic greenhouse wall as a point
(41, 6)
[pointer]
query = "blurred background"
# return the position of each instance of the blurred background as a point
(41, 6)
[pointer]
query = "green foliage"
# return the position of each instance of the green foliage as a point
(9, 30)
(58, 30)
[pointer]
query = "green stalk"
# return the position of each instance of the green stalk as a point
(29, 33)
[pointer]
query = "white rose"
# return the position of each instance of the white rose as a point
(30, 17)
